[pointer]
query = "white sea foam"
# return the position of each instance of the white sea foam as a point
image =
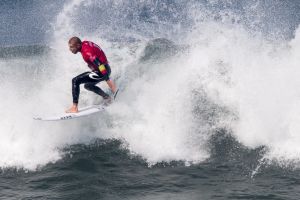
(259, 81)
(167, 109)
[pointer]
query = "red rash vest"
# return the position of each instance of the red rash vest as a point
(90, 51)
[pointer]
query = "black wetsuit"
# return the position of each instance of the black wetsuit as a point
(90, 79)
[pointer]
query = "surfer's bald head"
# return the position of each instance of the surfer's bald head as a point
(74, 44)
(74, 40)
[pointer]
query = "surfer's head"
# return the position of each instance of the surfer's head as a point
(74, 44)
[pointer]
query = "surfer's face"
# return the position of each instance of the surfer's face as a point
(74, 47)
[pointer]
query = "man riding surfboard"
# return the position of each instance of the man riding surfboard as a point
(93, 55)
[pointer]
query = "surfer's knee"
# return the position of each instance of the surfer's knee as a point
(88, 86)
(75, 81)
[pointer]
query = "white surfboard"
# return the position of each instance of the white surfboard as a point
(82, 112)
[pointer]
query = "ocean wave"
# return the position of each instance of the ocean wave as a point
(180, 86)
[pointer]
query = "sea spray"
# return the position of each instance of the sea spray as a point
(223, 71)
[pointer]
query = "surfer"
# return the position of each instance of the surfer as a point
(100, 71)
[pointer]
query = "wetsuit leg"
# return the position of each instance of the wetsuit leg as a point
(86, 77)
(92, 87)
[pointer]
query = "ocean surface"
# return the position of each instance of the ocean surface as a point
(208, 108)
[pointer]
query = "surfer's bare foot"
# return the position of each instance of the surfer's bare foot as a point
(107, 100)
(73, 109)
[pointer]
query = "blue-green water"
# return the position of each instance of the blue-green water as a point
(103, 170)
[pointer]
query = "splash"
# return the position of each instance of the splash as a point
(183, 76)
(258, 81)
(30, 85)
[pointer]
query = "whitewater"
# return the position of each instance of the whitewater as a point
(184, 77)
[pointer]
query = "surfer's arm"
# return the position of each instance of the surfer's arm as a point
(103, 71)
(96, 61)
(100, 66)
(111, 85)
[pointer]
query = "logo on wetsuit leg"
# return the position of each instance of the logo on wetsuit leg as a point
(94, 76)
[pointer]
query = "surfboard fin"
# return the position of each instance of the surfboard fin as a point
(116, 94)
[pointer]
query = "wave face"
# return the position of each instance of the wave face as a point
(187, 71)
